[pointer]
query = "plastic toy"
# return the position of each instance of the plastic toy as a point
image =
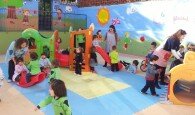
(183, 81)
(106, 57)
(34, 79)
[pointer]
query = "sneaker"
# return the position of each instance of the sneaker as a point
(144, 93)
(9, 81)
(155, 95)
(158, 87)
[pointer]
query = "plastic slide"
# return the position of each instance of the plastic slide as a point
(106, 57)
(34, 79)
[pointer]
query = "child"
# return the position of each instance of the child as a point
(19, 68)
(114, 59)
(181, 53)
(80, 38)
(33, 66)
(99, 35)
(93, 59)
(44, 62)
(57, 44)
(1, 78)
(96, 41)
(150, 76)
(131, 68)
(78, 59)
(58, 98)
(152, 48)
(55, 71)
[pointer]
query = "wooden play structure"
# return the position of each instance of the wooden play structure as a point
(88, 44)
(182, 81)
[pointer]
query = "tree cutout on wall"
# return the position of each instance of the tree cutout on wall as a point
(103, 16)
(12, 5)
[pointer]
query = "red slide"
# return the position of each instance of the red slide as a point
(105, 56)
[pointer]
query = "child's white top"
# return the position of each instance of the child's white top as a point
(132, 69)
(44, 62)
(96, 42)
(18, 70)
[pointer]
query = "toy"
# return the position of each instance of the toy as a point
(183, 76)
(34, 79)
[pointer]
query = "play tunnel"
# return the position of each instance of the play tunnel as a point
(182, 82)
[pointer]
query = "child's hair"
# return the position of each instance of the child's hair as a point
(113, 47)
(98, 32)
(58, 87)
(33, 56)
(135, 62)
(43, 54)
(154, 58)
(181, 46)
(20, 59)
(94, 36)
(154, 44)
(60, 10)
(55, 63)
(19, 42)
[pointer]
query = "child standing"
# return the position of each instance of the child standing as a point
(33, 66)
(93, 59)
(58, 98)
(19, 68)
(44, 62)
(114, 59)
(152, 48)
(78, 61)
(55, 71)
(150, 76)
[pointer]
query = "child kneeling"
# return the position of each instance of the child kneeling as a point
(150, 76)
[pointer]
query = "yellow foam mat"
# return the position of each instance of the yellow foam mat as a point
(90, 85)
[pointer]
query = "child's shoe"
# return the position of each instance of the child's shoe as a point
(155, 95)
(144, 93)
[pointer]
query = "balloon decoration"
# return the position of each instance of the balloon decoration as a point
(142, 38)
(103, 16)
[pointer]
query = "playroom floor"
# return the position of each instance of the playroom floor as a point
(105, 93)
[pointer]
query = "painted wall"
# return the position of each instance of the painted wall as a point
(153, 19)
(27, 16)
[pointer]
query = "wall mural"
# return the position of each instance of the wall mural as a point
(18, 15)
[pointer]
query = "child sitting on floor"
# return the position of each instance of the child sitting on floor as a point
(132, 68)
(33, 66)
(19, 68)
(55, 71)
(114, 59)
(45, 64)
(150, 76)
(57, 97)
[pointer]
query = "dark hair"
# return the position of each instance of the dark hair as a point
(19, 42)
(58, 87)
(191, 46)
(98, 32)
(154, 58)
(135, 62)
(20, 59)
(113, 47)
(178, 34)
(43, 54)
(154, 44)
(94, 36)
(55, 63)
(60, 10)
(33, 56)
(113, 27)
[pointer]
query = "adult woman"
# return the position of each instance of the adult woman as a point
(111, 39)
(170, 47)
(18, 48)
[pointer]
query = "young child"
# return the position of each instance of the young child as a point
(55, 71)
(33, 66)
(114, 59)
(44, 62)
(1, 78)
(96, 41)
(19, 68)
(150, 76)
(99, 35)
(181, 53)
(78, 61)
(152, 48)
(80, 38)
(57, 44)
(93, 59)
(58, 98)
(132, 68)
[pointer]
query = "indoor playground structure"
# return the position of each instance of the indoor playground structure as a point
(182, 81)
